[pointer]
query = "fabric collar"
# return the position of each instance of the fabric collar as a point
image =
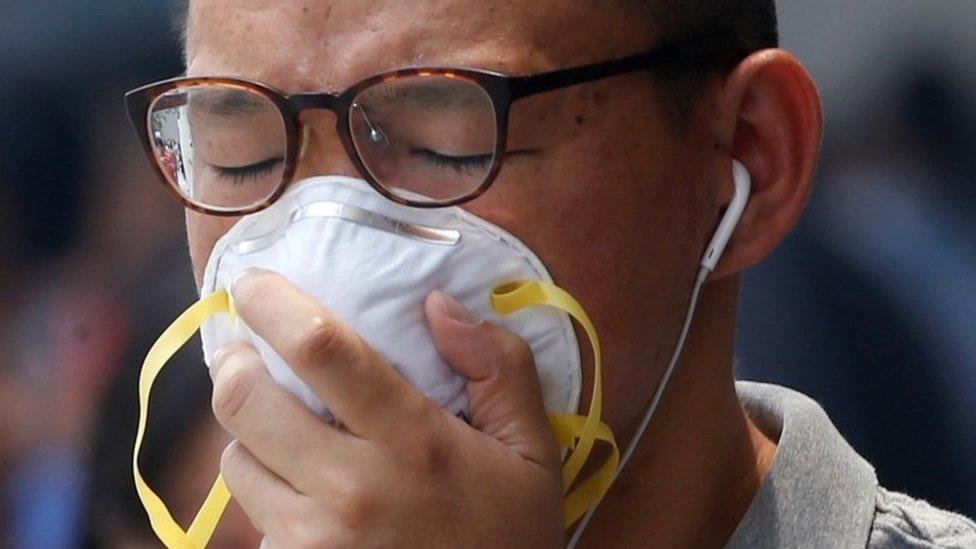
(818, 492)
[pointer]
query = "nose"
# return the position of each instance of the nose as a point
(321, 152)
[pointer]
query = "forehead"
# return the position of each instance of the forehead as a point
(319, 44)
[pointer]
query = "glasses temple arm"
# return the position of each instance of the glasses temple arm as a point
(678, 51)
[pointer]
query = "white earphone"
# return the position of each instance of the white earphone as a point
(743, 186)
(713, 253)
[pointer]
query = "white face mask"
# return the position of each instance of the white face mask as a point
(372, 263)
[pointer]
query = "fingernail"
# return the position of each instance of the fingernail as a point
(219, 356)
(456, 311)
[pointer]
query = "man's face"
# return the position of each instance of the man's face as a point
(599, 183)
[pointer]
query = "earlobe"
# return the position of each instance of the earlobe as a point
(774, 116)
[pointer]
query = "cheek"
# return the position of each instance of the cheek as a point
(619, 229)
(608, 197)
(202, 232)
(616, 209)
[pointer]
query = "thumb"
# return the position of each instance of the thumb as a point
(504, 395)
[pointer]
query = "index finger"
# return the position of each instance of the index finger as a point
(357, 385)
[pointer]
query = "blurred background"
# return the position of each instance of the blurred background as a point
(868, 306)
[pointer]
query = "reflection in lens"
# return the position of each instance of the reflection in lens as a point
(425, 138)
(220, 146)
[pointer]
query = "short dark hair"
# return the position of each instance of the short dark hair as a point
(751, 23)
(747, 25)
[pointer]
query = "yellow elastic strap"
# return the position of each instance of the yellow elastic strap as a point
(166, 528)
(590, 491)
(576, 433)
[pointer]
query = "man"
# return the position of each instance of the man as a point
(617, 185)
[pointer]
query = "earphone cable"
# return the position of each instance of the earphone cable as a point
(655, 400)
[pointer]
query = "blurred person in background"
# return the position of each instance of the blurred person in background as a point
(75, 287)
(65, 344)
(85, 316)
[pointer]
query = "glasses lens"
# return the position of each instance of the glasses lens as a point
(426, 138)
(220, 146)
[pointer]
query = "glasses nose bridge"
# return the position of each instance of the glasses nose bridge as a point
(302, 102)
(316, 101)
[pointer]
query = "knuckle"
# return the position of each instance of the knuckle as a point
(354, 505)
(303, 533)
(321, 341)
(233, 386)
(430, 457)
(517, 352)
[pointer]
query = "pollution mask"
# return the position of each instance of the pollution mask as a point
(372, 262)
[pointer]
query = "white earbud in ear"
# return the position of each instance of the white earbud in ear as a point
(743, 186)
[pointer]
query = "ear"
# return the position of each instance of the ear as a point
(775, 120)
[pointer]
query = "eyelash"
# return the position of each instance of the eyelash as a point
(457, 163)
(241, 174)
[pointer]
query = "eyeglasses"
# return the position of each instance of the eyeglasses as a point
(424, 137)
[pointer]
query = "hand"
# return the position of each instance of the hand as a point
(400, 471)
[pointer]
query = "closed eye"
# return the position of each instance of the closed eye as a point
(475, 162)
(242, 174)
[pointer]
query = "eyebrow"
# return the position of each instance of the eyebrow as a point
(428, 96)
(226, 103)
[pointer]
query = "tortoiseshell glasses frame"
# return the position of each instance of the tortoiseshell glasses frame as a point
(500, 88)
